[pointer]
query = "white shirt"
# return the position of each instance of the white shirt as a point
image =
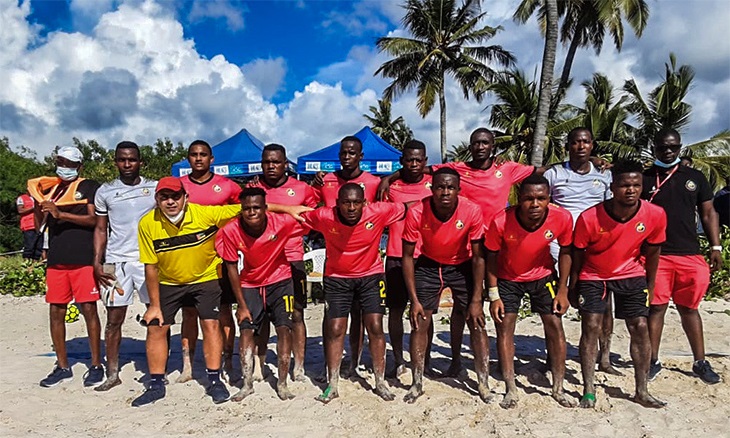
(576, 192)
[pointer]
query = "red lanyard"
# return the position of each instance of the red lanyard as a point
(660, 184)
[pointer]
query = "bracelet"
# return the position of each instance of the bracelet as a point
(493, 293)
(716, 248)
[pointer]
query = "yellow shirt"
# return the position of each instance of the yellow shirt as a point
(184, 255)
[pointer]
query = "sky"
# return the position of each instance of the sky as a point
(294, 72)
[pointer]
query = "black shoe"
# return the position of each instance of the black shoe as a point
(154, 391)
(58, 375)
(704, 370)
(94, 376)
(654, 369)
(218, 392)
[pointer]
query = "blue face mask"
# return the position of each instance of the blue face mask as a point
(67, 173)
(659, 163)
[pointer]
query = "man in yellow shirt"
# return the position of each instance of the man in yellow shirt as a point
(177, 247)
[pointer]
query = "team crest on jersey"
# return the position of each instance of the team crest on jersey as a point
(602, 231)
(333, 230)
(640, 227)
(369, 225)
(290, 192)
(459, 224)
(78, 195)
(145, 191)
(361, 185)
(690, 185)
(596, 183)
(549, 234)
(273, 237)
(428, 185)
(217, 188)
(498, 174)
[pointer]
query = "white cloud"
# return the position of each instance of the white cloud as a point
(217, 9)
(266, 74)
(365, 17)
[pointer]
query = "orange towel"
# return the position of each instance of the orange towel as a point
(44, 189)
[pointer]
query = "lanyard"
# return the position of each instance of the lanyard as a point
(660, 184)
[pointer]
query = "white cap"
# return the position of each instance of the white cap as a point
(70, 153)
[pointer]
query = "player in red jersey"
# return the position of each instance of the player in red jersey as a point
(412, 186)
(206, 188)
(285, 190)
(263, 289)
(350, 156)
(451, 231)
(354, 273)
(518, 263)
(607, 242)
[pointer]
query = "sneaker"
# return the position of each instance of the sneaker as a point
(704, 370)
(654, 370)
(153, 392)
(94, 376)
(58, 375)
(218, 392)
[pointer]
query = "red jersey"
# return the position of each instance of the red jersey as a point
(613, 248)
(449, 242)
(292, 192)
(27, 221)
(489, 188)
(525, 255)
(352, 251)
(332, 183)
(403, 192)
(264, 259)
(218, 190)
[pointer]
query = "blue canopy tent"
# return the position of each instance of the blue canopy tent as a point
(379, 157)
(238, 156)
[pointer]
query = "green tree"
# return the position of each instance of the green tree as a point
(546, 81)
(394, 131)
(459, 152)
(585, 23)
(159, 158)
(444, 41)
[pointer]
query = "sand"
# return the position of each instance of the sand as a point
(450, 407)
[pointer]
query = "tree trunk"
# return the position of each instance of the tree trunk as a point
(442, 122)
(565, 76)
(546, 82)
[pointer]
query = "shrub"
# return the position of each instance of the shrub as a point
(22, 278)
(720, 281)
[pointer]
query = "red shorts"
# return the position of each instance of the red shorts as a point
(71, 282)
(684, 279)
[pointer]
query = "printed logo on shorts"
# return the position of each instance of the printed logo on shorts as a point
(459, 224)
(581, 300)
(217, 188)
(369, 225)
(690, 185)
(145, 191)
(640, 227)
(290, 192)
(498, 174)
(549, 234)
(78, 196)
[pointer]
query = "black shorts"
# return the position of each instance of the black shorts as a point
(299, 278)
(630, 297)
(397, 295)
(227, 296)
(341, 292)
(205, 297)
(432, 278)
(274, 303)
(541, 294)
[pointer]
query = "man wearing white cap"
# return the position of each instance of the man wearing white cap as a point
(65, 206)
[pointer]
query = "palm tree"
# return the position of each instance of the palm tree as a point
(394, 131)
(459, 152)
(585, 23)
(666, 108)
(444, 41)
(546, 81)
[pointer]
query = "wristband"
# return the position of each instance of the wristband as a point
(716, 248)
(494, 293)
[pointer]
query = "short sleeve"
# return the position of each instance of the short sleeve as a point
(608, 194)
(147, 253)
(89, 188)
(315, 219)
(225, 244)
(411, 228)
(705, 191)
(476, 226)
(659, 232)
(565, 236)
(235, 192)
(222, 214)
(581, 235)
(392, 211)
(310, 196)
(100, 207)
(520, 172)
(292, 227)
(493, 236)
(550, 175)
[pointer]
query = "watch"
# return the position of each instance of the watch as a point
(716, 248)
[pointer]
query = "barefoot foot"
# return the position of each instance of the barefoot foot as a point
(563, 400)
(413, 394)
(186, 375)
(609, 369)
(588, 401)
(383, 392)
(486, 395)
(648, 401)
(283, 392)
(297, 374)
(243, 393)
(328, 395)
(109, 383)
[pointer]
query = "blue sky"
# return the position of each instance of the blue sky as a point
(295, 72)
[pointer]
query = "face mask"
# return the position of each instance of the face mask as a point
(67, 173)
(175, 219)
(659, 163)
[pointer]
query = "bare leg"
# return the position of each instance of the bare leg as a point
(376, 341)
(395, 331)
(458, 321)
(212, 343)
(283, 355)
(590, 330)
(157, 348)
(427, 370)
(419, 343)
(480, 346)
(262, 346)
(656, 327)
(57, 316)
(113, 338)
(641, 355)
(604, 341)
(228, 332)
(93, 329)
(357, 337)
(692, 325)
(334, 345)
(245, 351)
(299, 344)
(506, 348)
(188, 340)
(555, 337)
